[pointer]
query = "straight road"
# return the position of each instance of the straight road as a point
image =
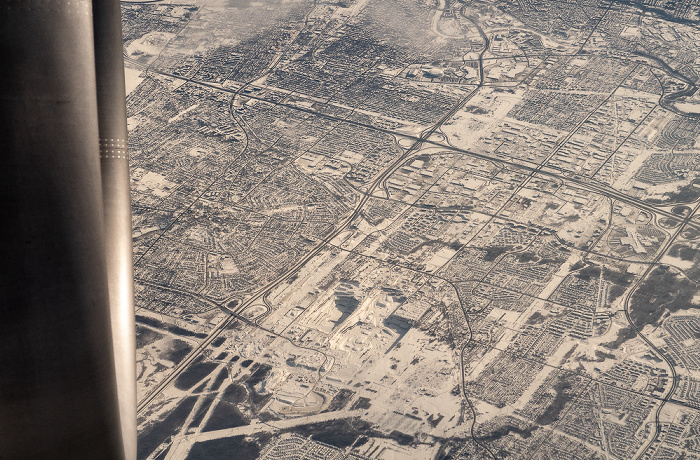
(574, 179)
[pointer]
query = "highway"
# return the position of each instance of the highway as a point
(340, 227)
(541, 169)
(574, 179)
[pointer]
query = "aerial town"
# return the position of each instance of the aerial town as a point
(416, 229)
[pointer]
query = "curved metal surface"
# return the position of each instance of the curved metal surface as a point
(58, 395)
(111, 107)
